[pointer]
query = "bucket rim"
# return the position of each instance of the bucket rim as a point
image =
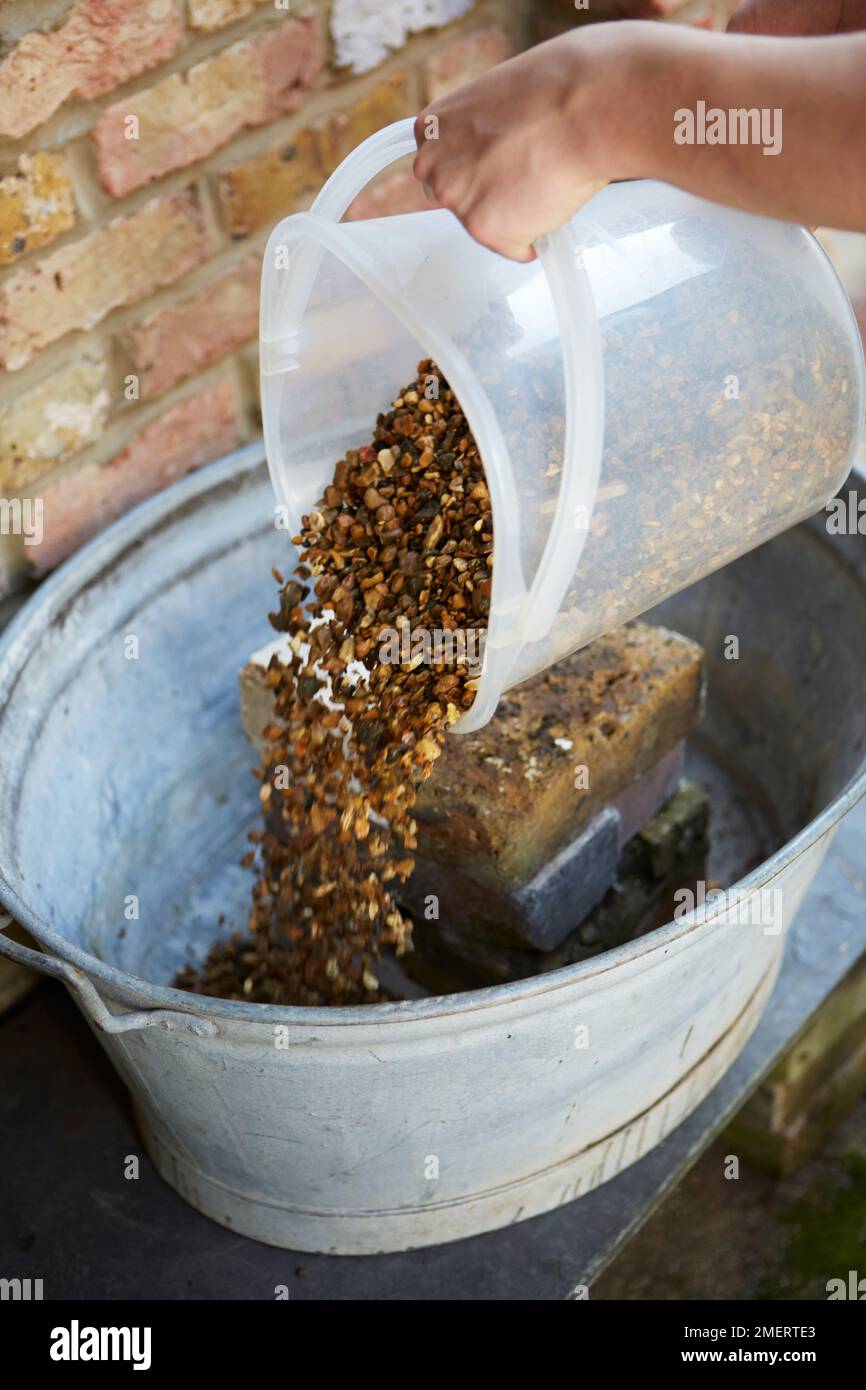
(81, 571)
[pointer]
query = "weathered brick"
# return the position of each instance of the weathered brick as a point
(504, 799)
(101, 44)
(175, 342)
(364, 33)
(388, 101)
(79, 284)
(400, 192)
(187, 116)
(83, 501)
(36, 205)
(266, 187)
(43, 426)
(269, 186)
(205, 15)
(466, 58)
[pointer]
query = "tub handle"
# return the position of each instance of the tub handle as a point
(106, 1021)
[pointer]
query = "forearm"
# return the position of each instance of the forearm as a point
(516, 152)
(818, 86)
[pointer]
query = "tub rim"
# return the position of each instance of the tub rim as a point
(87, 567)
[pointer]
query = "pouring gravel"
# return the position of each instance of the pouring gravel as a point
(397, 549)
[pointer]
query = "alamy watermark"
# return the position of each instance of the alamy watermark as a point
(77, 1343)
(20, 1290)
(763, 907)
(853, 1287)
(22, 516)
(738, 126)
(846, 516)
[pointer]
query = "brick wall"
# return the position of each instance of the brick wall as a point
(146, 149)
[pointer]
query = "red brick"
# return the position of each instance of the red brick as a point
(465, 58)
(184, 338)
(83, 501)
(101, 44)
(76, 286)
(400, 192)
(36, 205)
(187, 116)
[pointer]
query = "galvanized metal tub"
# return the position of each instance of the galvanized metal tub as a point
(125, 805)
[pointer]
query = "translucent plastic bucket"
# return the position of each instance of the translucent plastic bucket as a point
(670, 384)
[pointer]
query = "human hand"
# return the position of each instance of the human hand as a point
(515, 153)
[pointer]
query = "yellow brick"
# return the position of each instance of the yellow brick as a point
(76, 285)
(265, 188)
(216, 14)
(52, 421)
(36, 205)
(388, 101)
(269, 186)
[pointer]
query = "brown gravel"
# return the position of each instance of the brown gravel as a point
(403, 535)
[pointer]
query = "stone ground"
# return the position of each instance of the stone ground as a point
(756, 1237)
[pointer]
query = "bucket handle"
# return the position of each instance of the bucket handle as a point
(280, 320)
(77, 980)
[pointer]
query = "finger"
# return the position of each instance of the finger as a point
(523, 255)
(419, 129)
(518, 252)
(428, 163)
(419, 166)
(486, 232)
